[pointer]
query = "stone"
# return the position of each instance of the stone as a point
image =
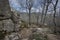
(25, 33)
(5, 13)
(12, 36)
(8, 18)
(8, 25)
(4, 8)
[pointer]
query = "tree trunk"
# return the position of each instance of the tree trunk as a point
(45, 13)
(54, 16)
(55, 12)
(29, 16)
(42, 12)
(37, 18)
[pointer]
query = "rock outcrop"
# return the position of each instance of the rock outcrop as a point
(9, 20)
(5, 14)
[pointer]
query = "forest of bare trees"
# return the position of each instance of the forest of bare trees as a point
(44, 4)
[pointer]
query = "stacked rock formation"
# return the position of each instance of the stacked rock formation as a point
(8, 19)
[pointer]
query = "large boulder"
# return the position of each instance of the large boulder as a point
(8, 19)
(8, 25)
(5, 14)
(5, 11)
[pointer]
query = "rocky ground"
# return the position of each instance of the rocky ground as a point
(32, 34)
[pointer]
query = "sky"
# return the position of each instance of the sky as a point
(15, 5)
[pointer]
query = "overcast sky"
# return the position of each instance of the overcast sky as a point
(15, 5)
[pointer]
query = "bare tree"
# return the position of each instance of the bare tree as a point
(47, 5)
(44, 3)
(29, 5)
(54, 15)
(37, 18)
(54, 6)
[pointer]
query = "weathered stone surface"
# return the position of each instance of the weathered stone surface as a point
(8, 25)
(5, 14)
(16, 21)
(9, 19)
(25, 32)
(44, 31)
(51, 37)
(4, 8)
(13, 36)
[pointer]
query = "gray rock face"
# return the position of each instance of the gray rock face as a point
(16, 21)
(8, 20)
(28, 34)
(8, 25)
(13, 36)
(4, 8)
(5, 15)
